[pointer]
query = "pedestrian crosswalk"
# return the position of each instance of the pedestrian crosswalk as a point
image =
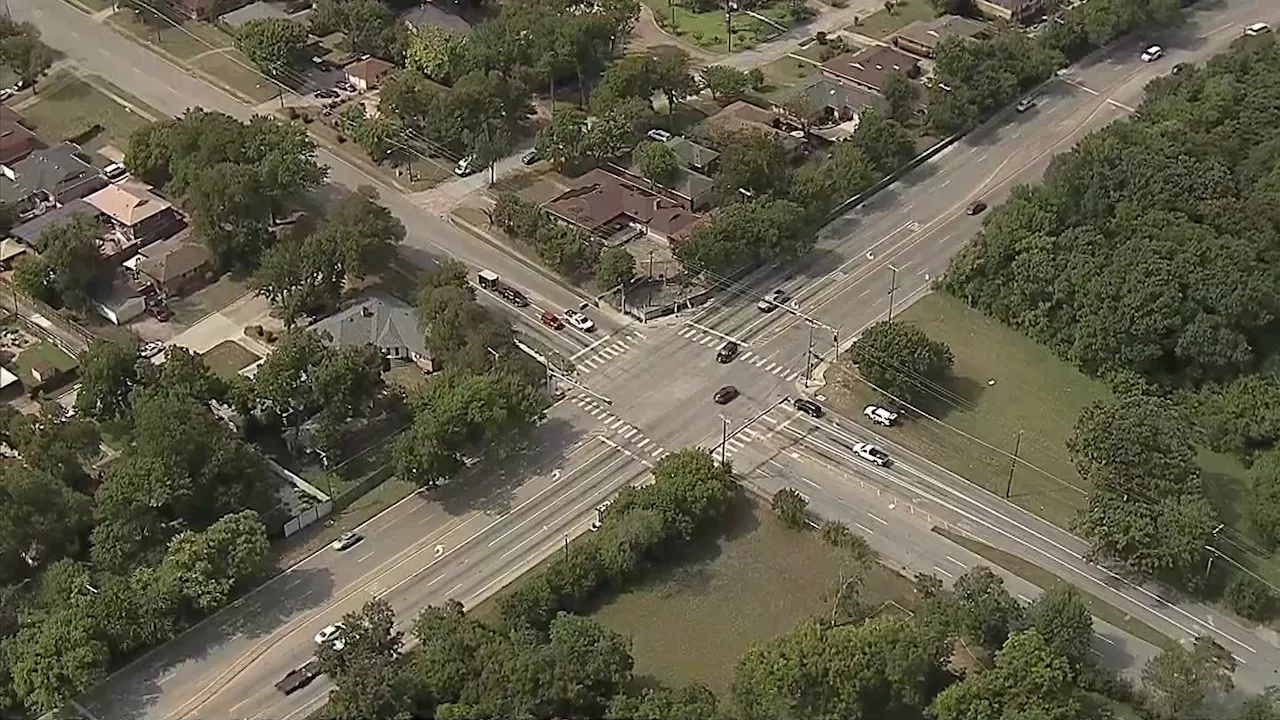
(618, 430)
(693, 334)
(762, 430)
(607, 349)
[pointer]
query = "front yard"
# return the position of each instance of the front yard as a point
(707, 29)
(87, 110)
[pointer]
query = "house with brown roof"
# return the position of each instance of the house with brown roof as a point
(870, 68)
(742, 115)
(924, 36)
(138, 215)
(368, 73)
(608, 206)
(175, 266)
(16, 140)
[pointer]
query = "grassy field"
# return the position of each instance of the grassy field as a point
(689, 623)
(1045, 579)
(1005, 383)
(228, 358)
(69, 107)
(786, 75)
(201, 46)
(707, 29)
(881, 24)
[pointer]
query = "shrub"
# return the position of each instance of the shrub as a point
(1250, 598)
(790, 506)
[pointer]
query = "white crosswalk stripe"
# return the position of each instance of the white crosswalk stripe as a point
(706, 339)
(626, 436)
(610, 348)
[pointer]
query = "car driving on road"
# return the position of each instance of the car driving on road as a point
(808, 407)
(770, 302)
(513, 296)
(347, 540)
(976, 208)
(871, 454)
(1025, 104)
(725, 395)
(580, 321)
(1153, 53)
(727, 352)
(1257, 29)
(299, 678)
(332, 636)
(880, 415)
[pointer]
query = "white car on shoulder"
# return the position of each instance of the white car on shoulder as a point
(1257, 29)
(580, 321)
(871, 454)
(1153, 53)
(880, 416)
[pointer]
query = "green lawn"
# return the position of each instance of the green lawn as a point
(707, 29)
(786, 75)
(881, 24)
(238, 73)
(1045, 579)
(69, 107)
(42, 351)
(228, 358)
(689, 623)
(1005, 383)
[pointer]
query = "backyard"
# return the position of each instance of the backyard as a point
(41, 353)
(689, 623)
(707, 30)
(1005, 385)
(85, 109)
(228, 358)
(883, 23)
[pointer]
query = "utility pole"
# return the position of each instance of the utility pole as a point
(835, 340)
(728, 23)
(893, 285)
(808, 358)
(651, 265)
(1208, 568)
(1013, 464)
(723, 437)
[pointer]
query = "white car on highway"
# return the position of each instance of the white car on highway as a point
(332, 636)
(348, 539)
(871, 454)
(1153, 53)
(880, 416)
(580, 321)
(771, 301)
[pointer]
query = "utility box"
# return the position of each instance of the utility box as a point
(488, 280)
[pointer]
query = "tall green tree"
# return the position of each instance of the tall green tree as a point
(1180, 681)
(902, 361)
(275, 45)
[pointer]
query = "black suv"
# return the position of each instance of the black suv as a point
(725, 395)
(808, 407)
(514, 296)
(299, 678)
(727, 352)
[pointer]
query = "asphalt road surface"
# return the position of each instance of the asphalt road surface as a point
(652, 390)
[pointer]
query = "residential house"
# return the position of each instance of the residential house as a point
(10, 251)
(16, 140)
(742, 115)
(368, 73)
(839, 105)
(58, 175)
(692, 156)
(870, 68)
(924, 36)
(383, 322)
(175, 266)
(261, 11)
(690, 188)
(609, 206)
(429, 14)
(29, 232)
(205, 9)
(1023, 11)
(122, 301)
(137, 215)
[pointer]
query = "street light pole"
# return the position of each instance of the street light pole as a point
(808, 358)
(893, 285)
(1013, 464)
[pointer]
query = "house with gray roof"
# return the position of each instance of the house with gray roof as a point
(699, 158)
(1015, 10)
(384, 322)
(58, 174)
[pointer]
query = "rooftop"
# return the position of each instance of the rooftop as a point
(690, 153)
(128, 203)
(929, 33)
(430, 15)
(173, 259)
(29, 231)
(370, 70)
(384, 322)
(52, 169)
(871, 67)
(600, 199)
(831, 93)
(742, 115)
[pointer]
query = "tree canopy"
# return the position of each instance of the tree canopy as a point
(903, 362)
